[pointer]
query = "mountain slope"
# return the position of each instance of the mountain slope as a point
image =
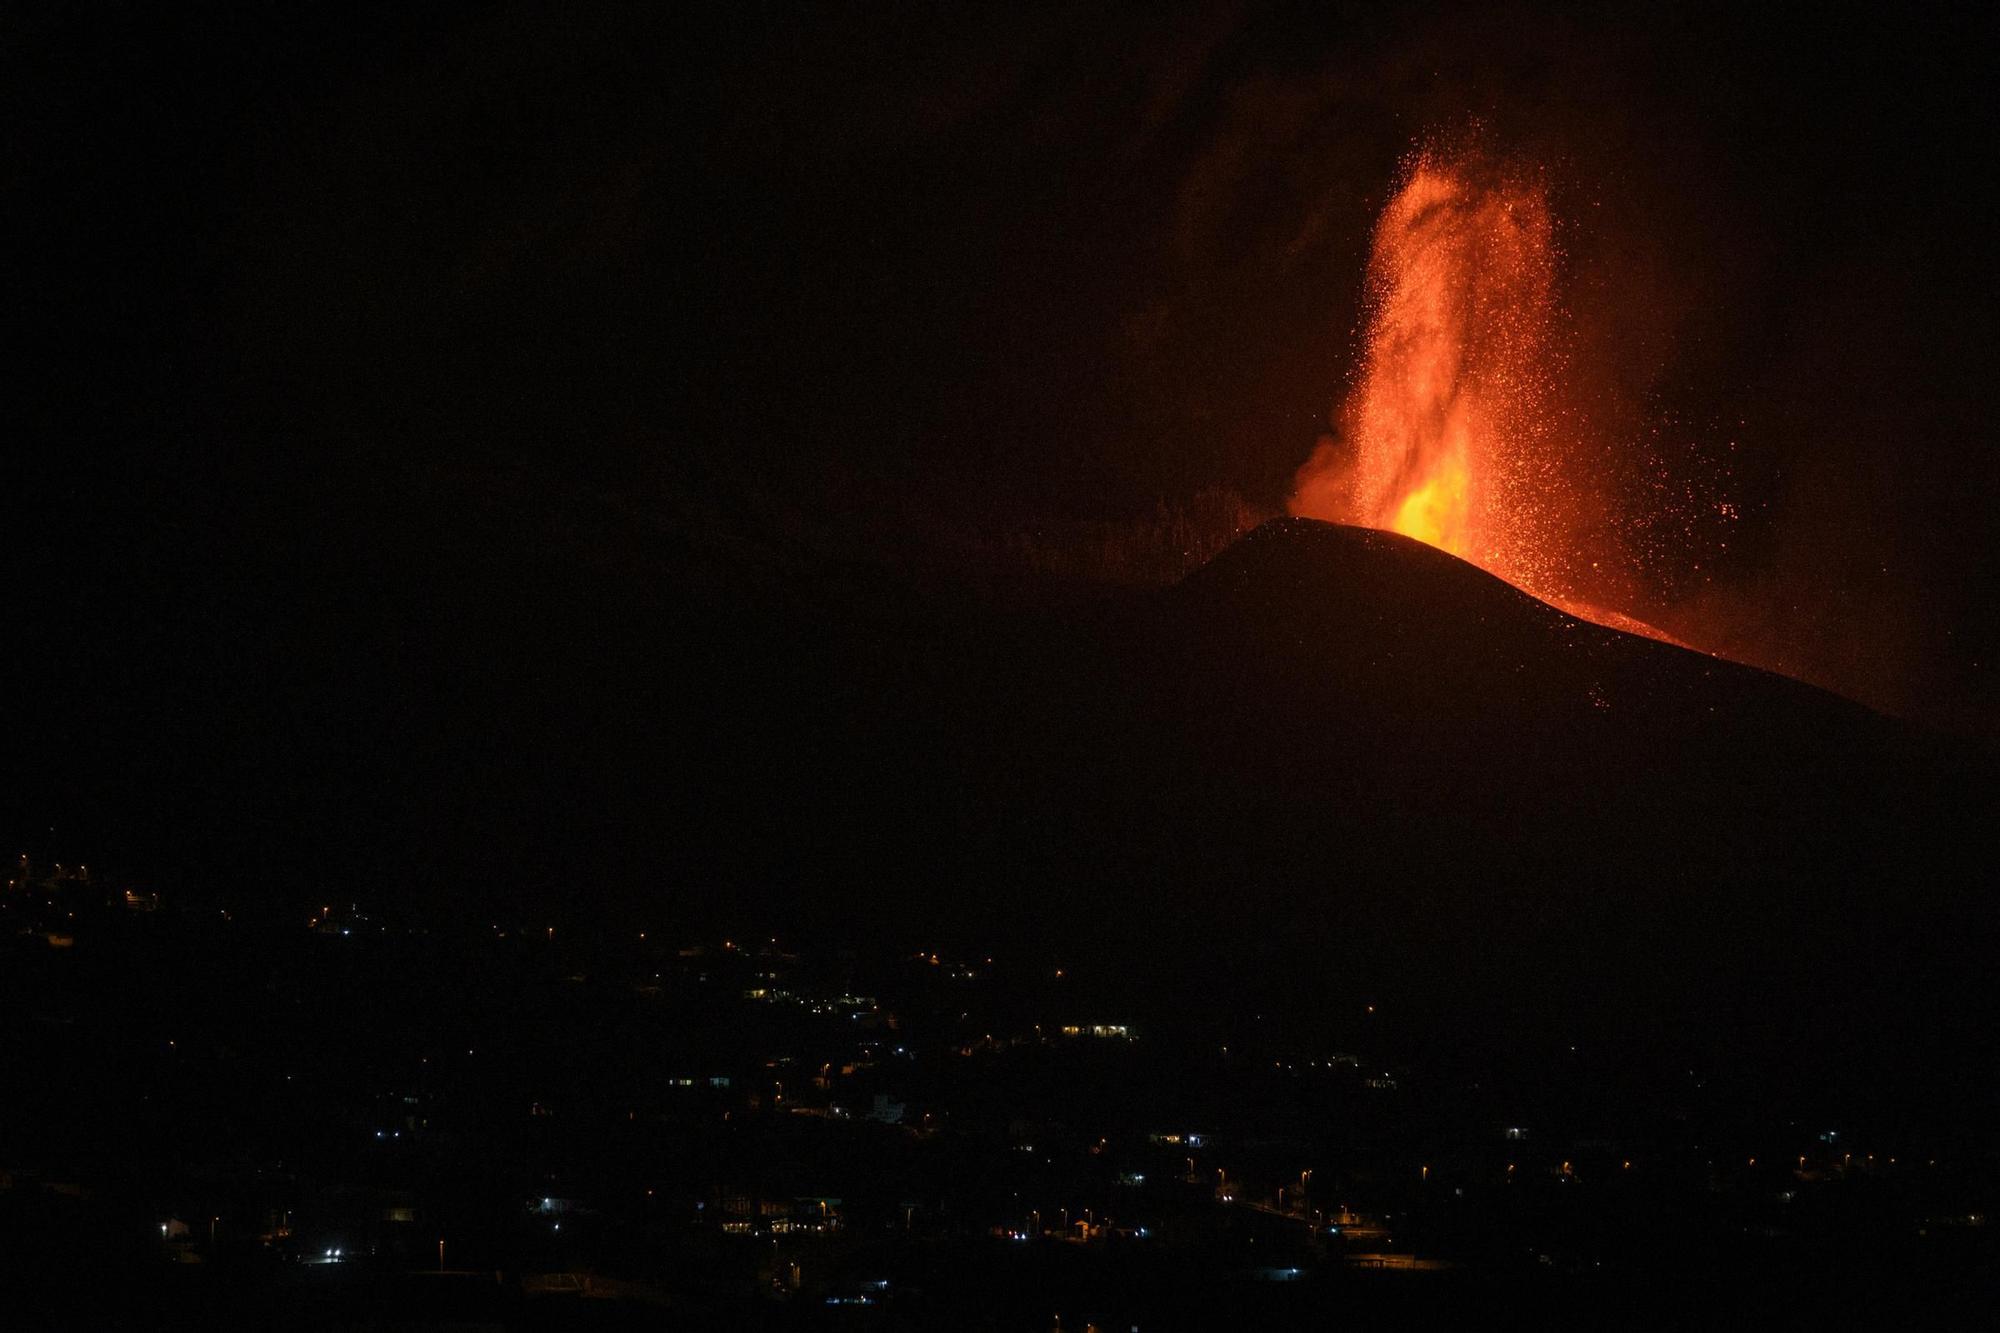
(1366, 766)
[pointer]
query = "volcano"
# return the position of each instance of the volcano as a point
(1317, 653)
(1388, 629)
(1361, 763)
(1339, 760)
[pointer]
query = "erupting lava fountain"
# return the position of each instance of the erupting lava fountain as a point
(1452, 433)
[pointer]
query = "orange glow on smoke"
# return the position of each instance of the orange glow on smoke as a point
(1451, 433)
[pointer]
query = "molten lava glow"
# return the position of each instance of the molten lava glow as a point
(1435, 511)
(1449, 433)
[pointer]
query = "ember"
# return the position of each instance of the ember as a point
(1452, 433)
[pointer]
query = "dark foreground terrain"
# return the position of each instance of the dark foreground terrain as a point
(359, 1125)
(1339, 932)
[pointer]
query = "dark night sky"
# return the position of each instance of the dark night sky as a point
(344, 326)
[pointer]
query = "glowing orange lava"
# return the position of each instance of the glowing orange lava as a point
(1450, 432)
